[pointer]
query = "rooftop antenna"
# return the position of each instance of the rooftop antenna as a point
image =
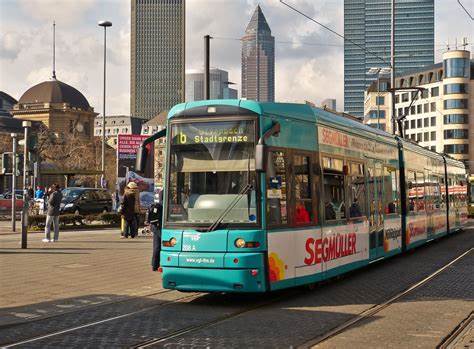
(447, 45)
(464, 43)
(54, 50)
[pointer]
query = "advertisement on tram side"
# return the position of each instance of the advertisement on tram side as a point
(416, 229)
(312, 251)
(392, 234)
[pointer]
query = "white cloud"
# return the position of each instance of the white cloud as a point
(63, 11)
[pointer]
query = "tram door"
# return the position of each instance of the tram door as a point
(375, 176)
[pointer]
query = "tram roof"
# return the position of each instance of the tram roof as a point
(297, 111)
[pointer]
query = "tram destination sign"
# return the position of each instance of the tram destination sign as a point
(242, 131)
(336, 138)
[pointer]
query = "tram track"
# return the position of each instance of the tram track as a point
(379, 307)
(101, 321)
(458, 333)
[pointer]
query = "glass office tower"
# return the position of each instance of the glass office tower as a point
(157, 56)
(367, 23)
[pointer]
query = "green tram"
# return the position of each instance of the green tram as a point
(265, 196)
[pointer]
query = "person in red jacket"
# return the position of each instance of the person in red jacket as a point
(301, 214)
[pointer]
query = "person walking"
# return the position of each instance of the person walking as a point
(130, 207)
(52, 214)
(154, 219)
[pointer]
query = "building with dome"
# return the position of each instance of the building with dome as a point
(59, 106)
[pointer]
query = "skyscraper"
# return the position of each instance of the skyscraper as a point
(219, 86)
(258, 59)
(367, 23)
(157, 56)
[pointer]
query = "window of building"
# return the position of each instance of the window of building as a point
(412, 124)
(380, 100)
(433, 121)
(433, 106)
(435, 91)
(456, 148)
(418, 123)
(424, 93)
(406, 125)
(433, 135)
(418, 137)
(413, 137)
(455, 88)
(406, 110)
(374, 114)
(418, 109)
(456, 134)
(455, 104)
(426, 108)
(426, 137)
(426, 122)
(276, 189)
(334, 190)
(405, 97)
(397, 98)
(400, 111)
(414, 94)
(303, 205)
(455, 119)
(433, 148)
(457, 67)
(412, 110)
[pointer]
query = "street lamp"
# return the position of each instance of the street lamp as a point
(104, 24)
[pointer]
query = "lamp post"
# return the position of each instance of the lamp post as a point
(104, 24)
(24, 213)
(14, 170)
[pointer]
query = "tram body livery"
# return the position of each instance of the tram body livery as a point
(265, 196)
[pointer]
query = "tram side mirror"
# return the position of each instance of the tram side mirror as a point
(260, 158)
(142, 155)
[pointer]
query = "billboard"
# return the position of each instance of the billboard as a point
(127, 146)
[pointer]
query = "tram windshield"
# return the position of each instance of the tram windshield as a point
(210, 165)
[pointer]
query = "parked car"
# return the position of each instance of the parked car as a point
(85, 201)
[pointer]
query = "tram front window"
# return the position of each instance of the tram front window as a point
(211, 166)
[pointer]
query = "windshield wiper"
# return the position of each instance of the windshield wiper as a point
(229, 208)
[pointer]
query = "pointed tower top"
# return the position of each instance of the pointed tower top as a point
(258, 23)
(54, 50)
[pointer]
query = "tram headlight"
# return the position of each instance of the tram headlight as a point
(239, 243)
(172, 242)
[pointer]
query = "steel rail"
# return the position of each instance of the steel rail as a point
(379, 307)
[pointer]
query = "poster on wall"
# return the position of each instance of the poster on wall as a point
(127, 146)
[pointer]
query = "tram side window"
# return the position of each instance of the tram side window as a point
(302, 184)
(356, 185)
(390, 184)
(276, 188)
(442, 192)
(412, 191)
(333, 183)
(421, 192)
(435, 193)
(451, 191)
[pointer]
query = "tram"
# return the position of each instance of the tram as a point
(471, 196)
(265, 196)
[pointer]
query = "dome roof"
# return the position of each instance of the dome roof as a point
(54, 91)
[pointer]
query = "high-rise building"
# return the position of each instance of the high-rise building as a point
(218, 86)
(258, 60)
(368, 24)
(157, 56)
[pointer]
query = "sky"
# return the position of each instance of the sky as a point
(309, 59)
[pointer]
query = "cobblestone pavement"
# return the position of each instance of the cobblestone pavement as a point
(292, 318)
(83, 268)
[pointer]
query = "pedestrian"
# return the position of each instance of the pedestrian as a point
(129, 209)
(154, 219)
(39, 193)
(52, 214)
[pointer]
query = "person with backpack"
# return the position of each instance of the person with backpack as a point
(154, 219)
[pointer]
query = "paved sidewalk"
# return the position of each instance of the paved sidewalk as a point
(83, 268)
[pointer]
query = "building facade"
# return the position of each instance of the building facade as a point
(149, 128)
(115, 125)
(367, 23)
(157, 56)
(440, 117)
(329, 103)
(378, 105)
(218, 86)
(7, 103)
(258, 60)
